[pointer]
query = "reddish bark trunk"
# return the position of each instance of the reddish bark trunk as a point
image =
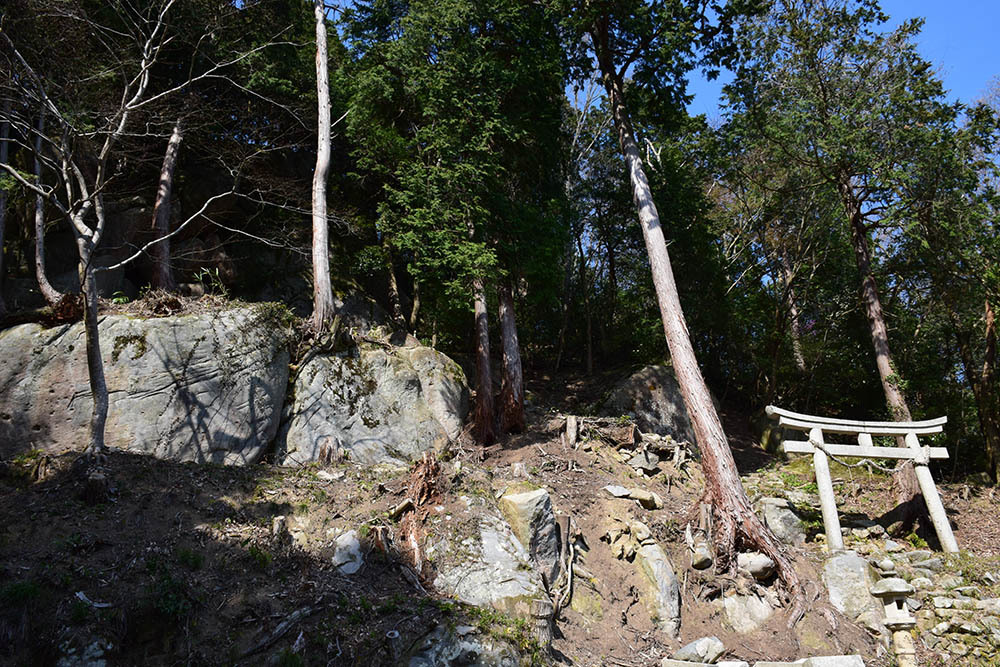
(484, 430)
(734, 518)
(512, 379)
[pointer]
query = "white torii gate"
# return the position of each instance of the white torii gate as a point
(864, 430)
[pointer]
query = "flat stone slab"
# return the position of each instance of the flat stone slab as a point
(820, 661)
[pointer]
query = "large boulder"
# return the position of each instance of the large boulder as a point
(849, 579)
(380, 404)
(206, 387)
(483, 564)
(530, 516)
(653, 397)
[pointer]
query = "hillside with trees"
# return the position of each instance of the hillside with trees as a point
(393, 261)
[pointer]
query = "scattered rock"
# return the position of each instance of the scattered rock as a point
(380, 405)
(932, 564)
(462, 645)
(530, 517)
(849, 578)
(347, 553)
(617, 491)
(893, 547)
(701, 556)
(822, 661)
(647, 499)
(704, 650)
(783, 521)
(746, 613)
(665, 599)
(757, 564)
(645, 462)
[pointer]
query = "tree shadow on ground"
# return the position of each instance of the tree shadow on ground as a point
(180, 564)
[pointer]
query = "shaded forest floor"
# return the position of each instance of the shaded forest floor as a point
(182, 564)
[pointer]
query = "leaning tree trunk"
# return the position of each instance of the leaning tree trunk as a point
(397, 307)
(322, 292)
(4, 152)
(907, 487)
(50, 293)
(736, 523)
(483, 421)
(512, 379)
(163, 275)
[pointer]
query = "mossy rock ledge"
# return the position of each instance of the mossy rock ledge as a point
(374, 404)
(205, 387)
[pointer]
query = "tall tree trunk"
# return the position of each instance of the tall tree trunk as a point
(512, 378)
(163, 275)
(905, 479)
(982, 384)
(415, 309)
(891, 380)
(795, 325)
(485, 431)
(322, 292)
(735, 521)
(50, 293)
(588, 316)
(397, 307)
(4, 152)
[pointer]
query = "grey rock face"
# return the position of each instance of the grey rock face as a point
(849, 578)
(206, 388)
(382, 406)
(665, 602)
(489, 569)
(530, 516)
(782, 520)
(461, 646)
(653, 396)
(704, 650)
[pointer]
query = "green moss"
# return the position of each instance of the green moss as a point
(123, 341)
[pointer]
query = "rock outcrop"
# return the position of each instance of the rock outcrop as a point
(379, 405)
(488, 568)
(529, 514)
(206, 387)
(653, 397)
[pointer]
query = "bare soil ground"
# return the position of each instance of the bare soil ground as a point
(181, 566)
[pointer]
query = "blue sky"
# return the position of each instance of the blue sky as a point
(960, 38)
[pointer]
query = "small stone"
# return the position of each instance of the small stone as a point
(617, 491)
(893, 547)
(861, 533)
(941, 628)
(647, 499)
(701, 557)
(519, 470)
(757, 564)
(943, 602)
(921, 572)
(913, 604)
(921, 583)
(704, 650)
(347, 553)
(915, 556)
(330, 476)
(949, 581)
(932, 564)
(640, 531)
(646, 462)
(886, 565)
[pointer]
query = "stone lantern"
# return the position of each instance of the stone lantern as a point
(893, 591)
